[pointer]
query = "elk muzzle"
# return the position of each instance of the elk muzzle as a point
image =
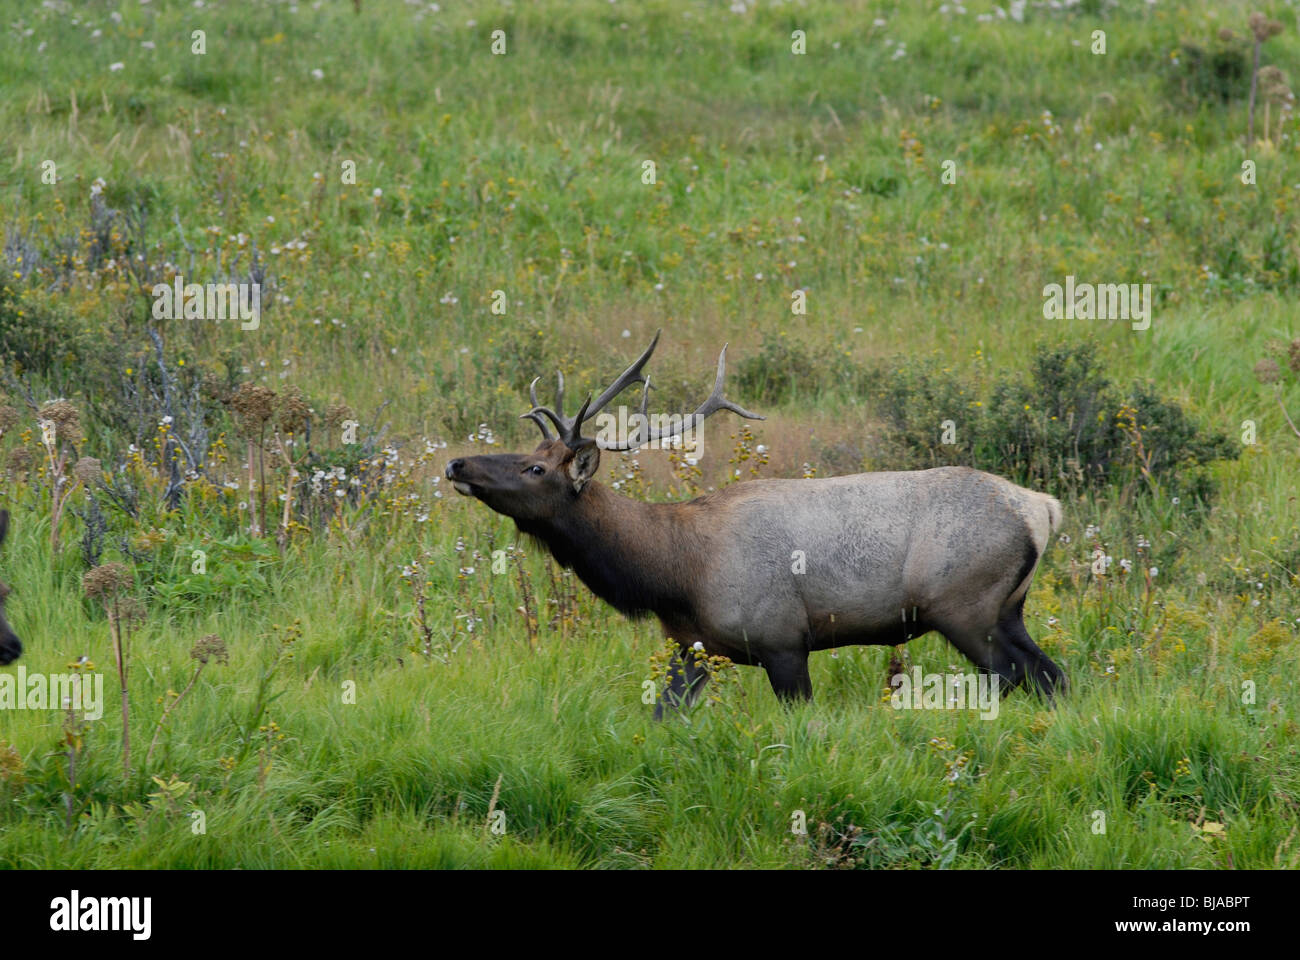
(11, 648)
(454, 470)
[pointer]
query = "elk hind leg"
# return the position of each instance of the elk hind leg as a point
(1034, 667)
(990, 652)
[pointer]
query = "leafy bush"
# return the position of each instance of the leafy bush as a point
(787, 366)
(234, 573)
(927, 843)
(37, 340)
(1064, 428)
(1217, 73)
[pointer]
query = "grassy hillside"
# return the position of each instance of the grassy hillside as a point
(383, 684)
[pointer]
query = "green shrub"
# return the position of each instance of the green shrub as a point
(44, 342)
(1216, 73)
(1063, 428)
(788, 366)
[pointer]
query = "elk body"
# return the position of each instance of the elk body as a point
(766, 571)
(10, 646)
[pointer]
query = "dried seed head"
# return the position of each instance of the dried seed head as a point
(1266, 371)
(336, 413)
(211, 647)
(107, 581)
(20, 458)
(1294, 353)
(88, 470)
(8, 417)
(129, 610)
(67, 421)
(294, 412)
(1273, 83)
(1263, 27)
(253, 406)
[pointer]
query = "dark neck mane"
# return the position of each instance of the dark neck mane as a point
(637, 557)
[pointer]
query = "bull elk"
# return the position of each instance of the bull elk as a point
(766, 571)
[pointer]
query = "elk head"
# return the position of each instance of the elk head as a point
(539, 486)
(10, 646)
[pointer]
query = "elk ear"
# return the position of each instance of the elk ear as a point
(582, 465)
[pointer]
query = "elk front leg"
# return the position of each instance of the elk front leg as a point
(686, 678)
(788, 674)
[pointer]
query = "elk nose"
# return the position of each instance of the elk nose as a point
(454, 468)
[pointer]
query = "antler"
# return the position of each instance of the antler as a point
(715, 402)
(570, 429)
(567, 427)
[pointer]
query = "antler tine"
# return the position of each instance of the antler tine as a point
(624, 380)
(712, 404)
(576, 430)
(541, 425)
(559, 393)
(717, 401)
(565, 427)
(568, 429)
(533, 414)
(537, 413)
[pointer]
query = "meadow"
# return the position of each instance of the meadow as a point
(332, 660)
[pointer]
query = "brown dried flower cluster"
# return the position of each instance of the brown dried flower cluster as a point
(253, 406)
(293, 411)
(20, 459)
(128, 610)
(1264, 27)
(107, 581)
(336, 413)
(1269, 370)
(1274, 84)
(88, 470)
(211, 647)
(67, 421)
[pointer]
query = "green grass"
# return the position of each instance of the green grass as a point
(365, 742)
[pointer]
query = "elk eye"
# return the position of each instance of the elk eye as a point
(536, 470)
